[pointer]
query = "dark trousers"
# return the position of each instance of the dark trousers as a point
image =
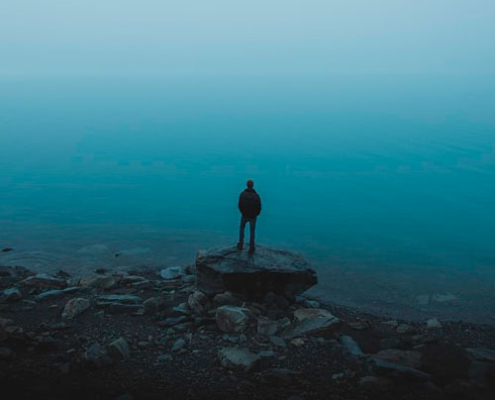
(252, 226)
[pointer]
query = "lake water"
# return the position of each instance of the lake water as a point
(385, 183)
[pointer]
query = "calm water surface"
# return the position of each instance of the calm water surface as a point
(386, 183)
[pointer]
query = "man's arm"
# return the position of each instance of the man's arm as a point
(259, 205)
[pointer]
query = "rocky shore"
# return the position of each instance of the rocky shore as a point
(140, 333)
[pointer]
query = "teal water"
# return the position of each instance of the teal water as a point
(386, 183)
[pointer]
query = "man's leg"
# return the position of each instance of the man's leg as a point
(252, 229)
(241, 233)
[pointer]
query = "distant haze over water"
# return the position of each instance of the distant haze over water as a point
(385, 182)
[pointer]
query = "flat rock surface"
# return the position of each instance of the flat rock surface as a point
(253, 275)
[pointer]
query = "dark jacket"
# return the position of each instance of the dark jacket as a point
(249, 203)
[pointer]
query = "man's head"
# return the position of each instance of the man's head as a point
(250, 183)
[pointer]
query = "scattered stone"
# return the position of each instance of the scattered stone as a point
(359, 325)
(198, 302)
(313, 321)
(10, 295)
(44, 281)
(182, 308)
(172, 272)
(119, 349)
(238, 358)
(121, 298)
(351, 346)
(385, 367)
(153, 304)
(97, 356)
(168, 322)
(97, 281)
(129, 279)
(404, 328)
(480, 354)
(226, 269)
(178, 345)
(164, 358)
(267, 327)
(267, 354)
(393, 323)
(298, 342)
(74, 307)
(55, 293)
(225, 299)
(231, 318)
(433, 323)
(277, 341)
(7, 249)
(125, 396)
(311, 304)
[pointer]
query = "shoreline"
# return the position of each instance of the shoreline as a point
(173, 350)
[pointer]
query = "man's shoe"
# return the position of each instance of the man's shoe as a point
(239, 246)
(251, 250)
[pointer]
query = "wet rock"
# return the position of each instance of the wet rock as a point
(97, 281)
(267, 327)
(6, 249)
(172, 272)
(97, 356)
(10, 295)
(56, 293)
(198, 302)
(44, 281)
(313, 321)
(119, 349)
(231, 318)
(164, 358)
(178, 345)
(74, 307)
(238, 358)
(280, 271)
(402, 357)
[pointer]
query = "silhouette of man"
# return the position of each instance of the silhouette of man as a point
(250, 208)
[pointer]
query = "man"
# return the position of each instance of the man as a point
(250, 208)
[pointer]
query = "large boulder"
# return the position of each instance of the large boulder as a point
(253, 275)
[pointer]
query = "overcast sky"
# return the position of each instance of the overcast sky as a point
(260, 37)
